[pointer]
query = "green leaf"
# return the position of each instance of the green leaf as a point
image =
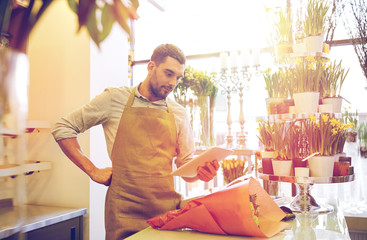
(73, 5)
(107, 21)
(92, 26)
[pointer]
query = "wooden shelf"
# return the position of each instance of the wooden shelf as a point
(28, 168)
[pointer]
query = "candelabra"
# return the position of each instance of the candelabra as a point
(236, 81)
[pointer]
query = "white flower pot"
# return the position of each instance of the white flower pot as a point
(325, 108)
(321, 166)
(306, 102)
(336, 102)
(282, 167)
(314, 43)
(299, 47)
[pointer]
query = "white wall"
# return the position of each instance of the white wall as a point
(59, 83)
(67, 70)
(108, 68)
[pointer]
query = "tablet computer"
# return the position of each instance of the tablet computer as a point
(213, 153)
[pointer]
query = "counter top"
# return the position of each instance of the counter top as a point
(30, 217)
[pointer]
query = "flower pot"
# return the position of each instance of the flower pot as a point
(299, 47)
(306, 102)
(351, 136)
(266, 159)
(325, 108)
(321, 166)
(336, 102)
(341, 168)
(314, 43)
(326, 48)
(301, 172)
(282, 167)
(298, 163)
(283, 49)
(274, 105)
(363, 151)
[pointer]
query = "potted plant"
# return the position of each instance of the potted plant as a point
(18, 19)
(282, 164)
(321, 138)
(362, 137)
(276, 87)
(306, 83)
(293, 144)
(265, 136)
(331, 84)
(283, 26)
(350, 118)
(314, 24)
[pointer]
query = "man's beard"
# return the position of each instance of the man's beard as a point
(160, 91)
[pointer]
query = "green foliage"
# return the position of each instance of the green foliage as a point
(349, 117)
(307, 75)
(333, 79)
(199, 82)
(265, 135)
(283, 26)
(315, 18)
(276, 82)
(362, 134)
(18, 21)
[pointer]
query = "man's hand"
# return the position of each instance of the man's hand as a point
(209, 171)
(102, 176)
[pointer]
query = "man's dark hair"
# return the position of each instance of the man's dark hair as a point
(167, 50)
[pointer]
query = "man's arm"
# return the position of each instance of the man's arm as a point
(72, 149)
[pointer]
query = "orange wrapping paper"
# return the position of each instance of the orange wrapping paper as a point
(227, 212)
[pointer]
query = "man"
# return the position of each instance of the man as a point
(144, 132)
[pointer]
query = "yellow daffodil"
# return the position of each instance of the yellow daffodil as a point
(311, 59)
(312, 118)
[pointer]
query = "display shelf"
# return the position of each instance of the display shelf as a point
(308, 180)
(304, 202)
(305, 54)
(11, 170)
(299, 116)
(30, 126)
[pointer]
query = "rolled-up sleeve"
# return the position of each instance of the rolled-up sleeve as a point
(94, 113)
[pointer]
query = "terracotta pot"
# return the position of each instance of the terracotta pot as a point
(266, 159)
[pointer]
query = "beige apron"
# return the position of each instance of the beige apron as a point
(141, 186)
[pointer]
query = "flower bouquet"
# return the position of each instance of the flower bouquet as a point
(232, 169)
(242, 208)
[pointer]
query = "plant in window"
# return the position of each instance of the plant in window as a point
(349, 117)
(362, 137)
